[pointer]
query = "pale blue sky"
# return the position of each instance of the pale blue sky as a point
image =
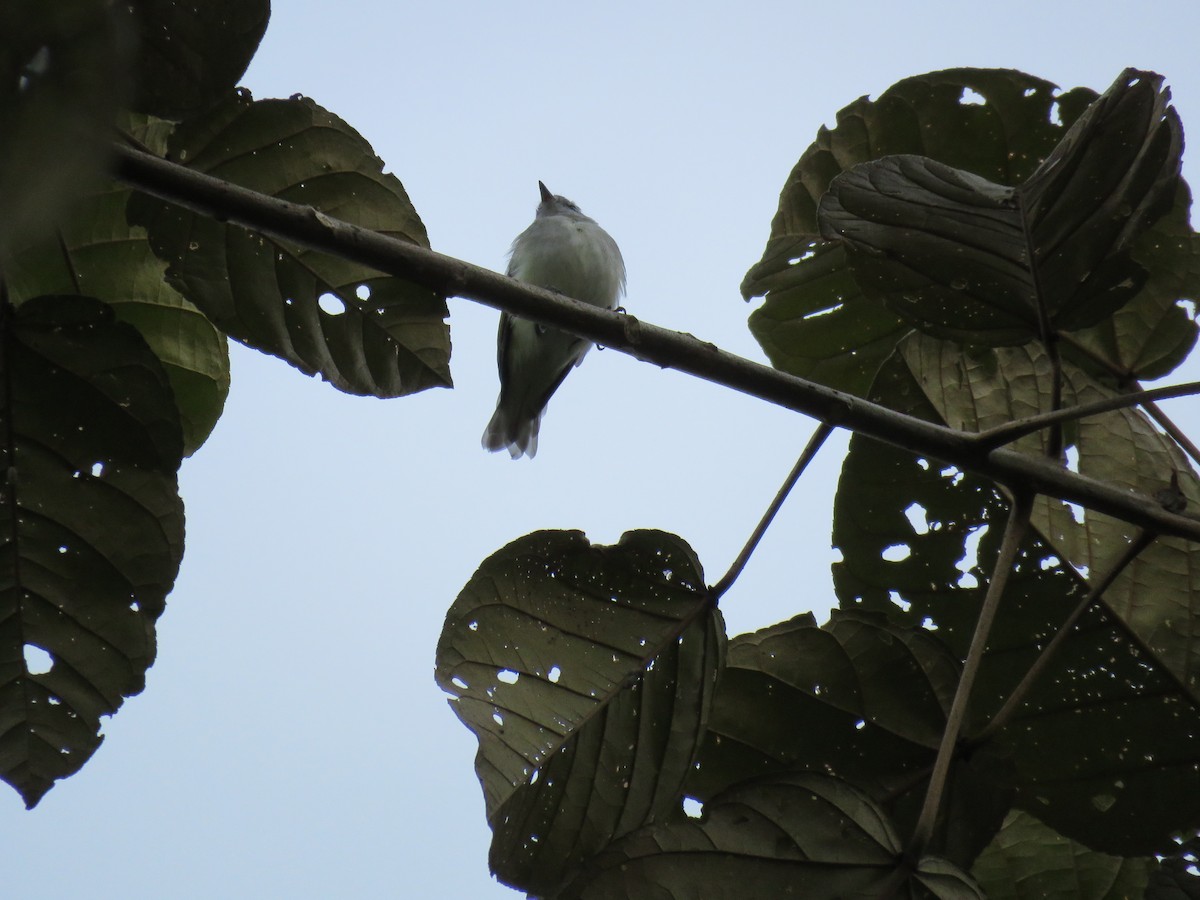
(291, 742)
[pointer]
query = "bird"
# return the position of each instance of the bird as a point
(566, 252)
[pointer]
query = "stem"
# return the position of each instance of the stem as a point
(1001, 718)
(307, 227)
(1173, 430)
(1011, 431)
(1014, 532)
(810, 451)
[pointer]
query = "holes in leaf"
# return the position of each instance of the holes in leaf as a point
(899, 601)
(692, 808)
(508, 676)
(459, 683)
(37, 660)
(896, 552)
(331, 304)
(917, 518)
(362, 292)
(497, 718)
(928, 624)
(554, 674)
(97, 469)
(970, 557)
(1055, 114)
(972, 98)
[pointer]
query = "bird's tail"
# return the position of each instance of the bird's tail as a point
(519, 436)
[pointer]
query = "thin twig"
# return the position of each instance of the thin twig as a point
(1011, 431)
(1172, 429)
(1143, 540)
(810, 451)
(1014, 532)
(307, 227)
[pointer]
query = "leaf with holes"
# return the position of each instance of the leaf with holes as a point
(1103, 747)
(803, 835)
(92, 534)
(962, 257)
(860, 698)
(363, 332)
(586, 672)
(1029, 859)
(816, 322)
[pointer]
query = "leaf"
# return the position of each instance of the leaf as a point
(1029, 859)
(64, 77)
(803, 835)
(859, 698)
(816, 323)
(965, 258)
(92, 534)
(362, 332)
(1152, 334)
(97, 254)
(586, 673)
(1104, 746)
(1122, 448)
(191, 56)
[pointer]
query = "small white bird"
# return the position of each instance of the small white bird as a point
(564, 251)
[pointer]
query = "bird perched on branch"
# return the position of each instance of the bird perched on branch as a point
(564, 251)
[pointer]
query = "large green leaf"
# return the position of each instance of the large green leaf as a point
(860, 698)
(962, 257)
(96, 253)
(996, 123)
(190, 55)
(586, 673)
(363, 332)
(63, 71)
(1028, 859)
(803, 835)
(1104, 746)
(92, 529)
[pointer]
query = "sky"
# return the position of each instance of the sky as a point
(291, 741)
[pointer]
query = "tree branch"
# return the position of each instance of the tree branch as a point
(1011, 431)
(1000, 719)
(1014, 533)
(810, 451)
(669, 349)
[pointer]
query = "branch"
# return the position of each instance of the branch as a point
(1000, 719)
(668, 349)
(1014, 533)
(1011, 431)
(1173, 430)
(810, 451)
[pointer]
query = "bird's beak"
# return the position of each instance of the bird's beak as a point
(546, 195)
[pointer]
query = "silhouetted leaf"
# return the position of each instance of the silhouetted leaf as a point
(191, 55)
(859, 698)
(1029, 859)
(587, 673)
(996, 123)
(63, 71)
(1152, 334)
(363, 332)
(803, 835)
(963, 257)
(92, 529)
(1104, 747)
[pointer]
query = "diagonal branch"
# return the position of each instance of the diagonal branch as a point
(650, 343)
(1014, 532)
(1011, 431)
(1000, 719)
(810, 451)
